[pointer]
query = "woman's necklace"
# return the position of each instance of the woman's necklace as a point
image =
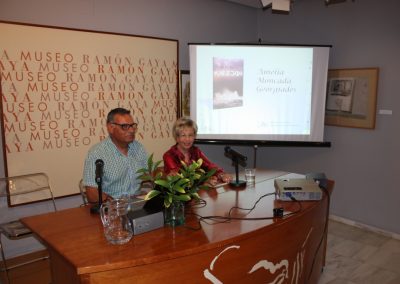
(187, 157)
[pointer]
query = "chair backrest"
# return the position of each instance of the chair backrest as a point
(82, 190)
(25, 195)
(21, 196)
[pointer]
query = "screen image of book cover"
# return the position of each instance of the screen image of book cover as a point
(227, 83)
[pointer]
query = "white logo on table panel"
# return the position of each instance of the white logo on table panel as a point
(282, 266)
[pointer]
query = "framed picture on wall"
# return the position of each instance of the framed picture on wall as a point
(351, 97)
(184, 93)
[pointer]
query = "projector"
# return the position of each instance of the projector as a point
(300, 189)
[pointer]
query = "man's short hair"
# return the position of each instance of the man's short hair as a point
(113, 112)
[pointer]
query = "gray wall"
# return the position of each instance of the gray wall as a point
(364, 163)
(362, 33)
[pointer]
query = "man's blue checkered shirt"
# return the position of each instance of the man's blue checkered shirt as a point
(120, 177)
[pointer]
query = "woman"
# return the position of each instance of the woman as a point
(184, 132)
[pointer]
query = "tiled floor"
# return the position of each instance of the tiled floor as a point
(357, 256)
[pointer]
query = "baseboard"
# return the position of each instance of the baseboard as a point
(364, 227)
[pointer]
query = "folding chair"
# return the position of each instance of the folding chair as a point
(22, 196)
(82, 190)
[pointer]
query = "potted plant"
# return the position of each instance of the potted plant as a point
(175, 190)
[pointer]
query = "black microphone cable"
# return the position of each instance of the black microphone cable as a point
(225, 219)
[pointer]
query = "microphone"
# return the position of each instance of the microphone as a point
(99, 170)
(99, 177)
(233, 153)
(235, 156)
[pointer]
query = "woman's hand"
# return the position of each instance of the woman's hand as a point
(221, 178)
(212, 181)
(225, 177)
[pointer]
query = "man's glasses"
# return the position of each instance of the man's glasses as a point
(126, 126)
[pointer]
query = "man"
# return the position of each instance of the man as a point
(122, 157)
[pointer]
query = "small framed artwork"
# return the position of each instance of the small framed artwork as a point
(184, 93)
(351, 97)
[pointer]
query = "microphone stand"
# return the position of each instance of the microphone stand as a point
(96, 208)
(237, 183)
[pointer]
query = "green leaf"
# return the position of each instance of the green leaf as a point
(179, 189)
(193, 166)
(184, 166)
(167, 203)
(150, 163)
(196, 176)
(183, 197)
(211, 172)
(156, 165)
(193, 190)
(162, 183)
(207, 175)
(182, 182)
(204, 187)
(151, 194)
(172, 179)
(195, 195)
(142, 170)
(170, 197)
(145, 177)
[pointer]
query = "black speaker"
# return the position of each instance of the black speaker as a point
(320, 178)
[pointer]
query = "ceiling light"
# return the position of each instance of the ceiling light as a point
(266, 3)
(277, 5)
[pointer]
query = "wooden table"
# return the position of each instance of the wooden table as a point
(289, 249)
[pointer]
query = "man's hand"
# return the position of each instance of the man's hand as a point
(92, 195)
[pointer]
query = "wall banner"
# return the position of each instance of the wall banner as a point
(57, 86)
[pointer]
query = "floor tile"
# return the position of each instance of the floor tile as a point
(358, 256)
(365, 252)
(340, 265)
(347, 248)
(340, 281)
(334, 240)
(343, 230)
(387, 257)
(326, 277)
(368, 274)
(372, 239)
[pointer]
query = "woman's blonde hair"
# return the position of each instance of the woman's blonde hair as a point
(181, 123)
